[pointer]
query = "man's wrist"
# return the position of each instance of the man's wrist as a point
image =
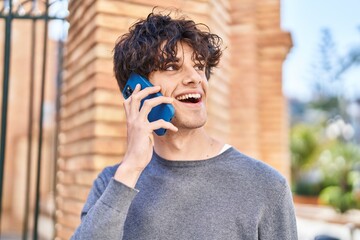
(127, 175)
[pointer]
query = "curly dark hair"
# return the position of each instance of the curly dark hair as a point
(151, 44)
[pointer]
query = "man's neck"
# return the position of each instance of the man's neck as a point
(193, 144)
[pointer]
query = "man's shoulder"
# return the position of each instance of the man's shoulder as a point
(256, 171)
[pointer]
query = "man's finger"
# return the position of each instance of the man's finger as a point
(163, 124)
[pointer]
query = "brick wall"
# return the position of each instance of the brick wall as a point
(258, 109)
(92, 121)
(93, 133)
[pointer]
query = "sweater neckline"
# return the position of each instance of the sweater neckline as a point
(190, 163)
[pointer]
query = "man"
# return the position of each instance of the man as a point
(185, 184)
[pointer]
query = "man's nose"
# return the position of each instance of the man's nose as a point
(192, 76)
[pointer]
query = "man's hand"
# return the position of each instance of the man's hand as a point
(140, 140)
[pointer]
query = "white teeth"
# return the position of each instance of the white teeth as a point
(187, 96)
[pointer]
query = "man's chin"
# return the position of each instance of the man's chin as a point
(190, 125)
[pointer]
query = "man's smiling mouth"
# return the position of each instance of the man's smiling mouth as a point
(189, 98)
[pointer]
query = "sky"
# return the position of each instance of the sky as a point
(304, 19)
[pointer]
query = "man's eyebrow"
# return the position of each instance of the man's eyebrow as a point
(172, 60)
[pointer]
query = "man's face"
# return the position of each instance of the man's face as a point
(185, 81)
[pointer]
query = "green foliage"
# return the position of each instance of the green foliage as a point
(340, 166)
(304, 187)
(303, 145)
(339, 199)
(327, 104)
(323, 167)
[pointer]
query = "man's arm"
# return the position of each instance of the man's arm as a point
(279, 221)
(105, 210)
(140, 140)
(107, 206)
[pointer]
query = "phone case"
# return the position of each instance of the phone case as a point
(163, 111)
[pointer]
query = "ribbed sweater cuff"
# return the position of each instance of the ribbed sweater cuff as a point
(118, 196)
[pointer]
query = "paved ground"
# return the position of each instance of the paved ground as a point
(315, 220)
(309, 229)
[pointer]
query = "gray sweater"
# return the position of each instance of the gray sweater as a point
(230, 196)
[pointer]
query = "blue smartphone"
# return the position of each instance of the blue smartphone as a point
(163, 111)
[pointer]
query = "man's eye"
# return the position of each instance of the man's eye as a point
(171, 67)
(199, 67)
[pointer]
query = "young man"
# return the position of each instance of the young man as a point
(185, 184)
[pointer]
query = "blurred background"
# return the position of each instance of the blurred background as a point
(287, 92)
(321, 81)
